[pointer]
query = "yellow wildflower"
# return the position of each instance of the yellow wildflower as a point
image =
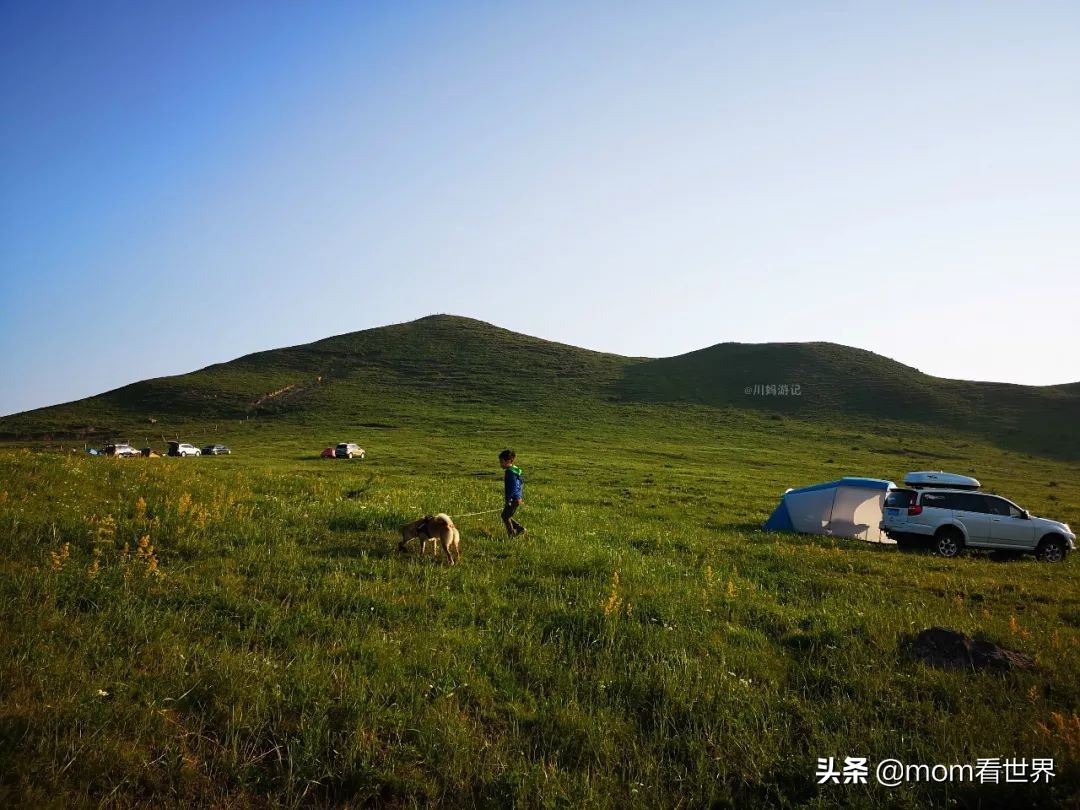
(614, 601)
(60, 557)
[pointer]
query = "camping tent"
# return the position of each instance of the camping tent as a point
(850, 507)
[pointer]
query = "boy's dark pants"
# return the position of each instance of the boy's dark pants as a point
(512, 526)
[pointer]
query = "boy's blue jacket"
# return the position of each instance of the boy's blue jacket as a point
(512, 485)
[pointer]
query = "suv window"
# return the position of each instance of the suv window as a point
(1000, 506)
(902, 498)
(939, 500)
(970, 502)
(964, 501)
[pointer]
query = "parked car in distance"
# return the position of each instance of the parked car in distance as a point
(327, 453)
(183, 449)
(348, 450)
(952, 519)
(120, 450)
(216, 450)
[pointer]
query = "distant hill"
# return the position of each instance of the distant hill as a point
(844, 382)
(458, 362)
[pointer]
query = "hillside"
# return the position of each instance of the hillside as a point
(835, 380)
(445, 359)
(375, 371)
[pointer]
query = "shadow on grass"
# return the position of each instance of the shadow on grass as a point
(376, 547)
(371, 547)
(994, 555)
(385, 547)
(1002, 556)
(390, 523)
(909, 547)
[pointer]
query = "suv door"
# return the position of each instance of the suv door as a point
(972, 512)
(937, 509)
(1009, 526)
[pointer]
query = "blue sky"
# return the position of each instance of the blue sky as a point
(183, 183)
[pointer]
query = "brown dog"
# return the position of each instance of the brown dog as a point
(434, 529)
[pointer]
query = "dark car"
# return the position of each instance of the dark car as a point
(216, 450)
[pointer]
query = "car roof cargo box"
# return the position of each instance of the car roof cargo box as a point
(939, 480)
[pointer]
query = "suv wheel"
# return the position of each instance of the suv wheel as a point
(948, 542)
(1052, 549)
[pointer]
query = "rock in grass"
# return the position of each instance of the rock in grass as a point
(949, 649)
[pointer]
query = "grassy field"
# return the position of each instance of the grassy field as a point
(241, 632)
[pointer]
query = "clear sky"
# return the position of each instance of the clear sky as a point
(184, 183)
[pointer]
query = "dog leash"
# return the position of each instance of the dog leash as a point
(473, 514)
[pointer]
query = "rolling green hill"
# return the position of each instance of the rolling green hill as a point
(378, 375)
(840, 381)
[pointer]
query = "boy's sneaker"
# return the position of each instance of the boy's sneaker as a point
(522, 533)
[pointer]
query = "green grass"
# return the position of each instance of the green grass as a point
(286, 655)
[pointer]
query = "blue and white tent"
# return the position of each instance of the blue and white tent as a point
(850, 507)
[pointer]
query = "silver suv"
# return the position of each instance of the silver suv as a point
(349, 450)
(954, 519)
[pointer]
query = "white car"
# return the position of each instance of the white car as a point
(348, 450)
(183, 449)
(121, 451)
(952, 519)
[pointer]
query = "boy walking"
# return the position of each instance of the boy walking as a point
(512, 492)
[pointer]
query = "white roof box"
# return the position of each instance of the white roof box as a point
(941, 480)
